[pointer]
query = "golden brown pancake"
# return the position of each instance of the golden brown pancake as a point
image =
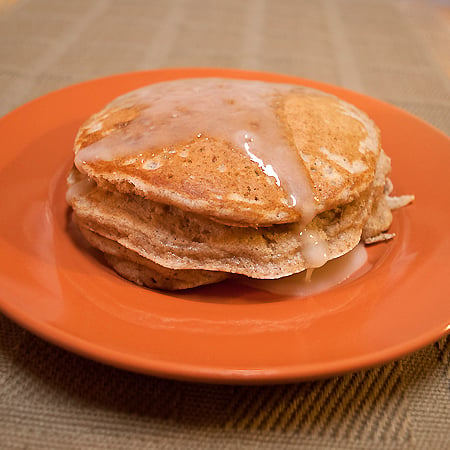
(185, 182)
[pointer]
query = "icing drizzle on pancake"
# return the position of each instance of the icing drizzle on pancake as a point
(322, 279)
(314, 248)
(243, 113)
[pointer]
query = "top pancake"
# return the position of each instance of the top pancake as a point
(245, 153)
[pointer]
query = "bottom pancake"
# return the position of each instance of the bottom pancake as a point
(144, 272)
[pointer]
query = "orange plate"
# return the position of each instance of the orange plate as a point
(223, 333)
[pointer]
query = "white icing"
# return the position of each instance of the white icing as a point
(369, 143)
(82, 187)
(314, 248)
(326, 277)
(354, 167)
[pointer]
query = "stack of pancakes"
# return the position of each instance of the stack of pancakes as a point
(186, 182)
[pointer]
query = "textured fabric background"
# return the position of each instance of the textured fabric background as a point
(398, 51)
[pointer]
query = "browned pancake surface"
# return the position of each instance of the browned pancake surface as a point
(337, 148)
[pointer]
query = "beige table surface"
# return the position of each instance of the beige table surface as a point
(398, 51)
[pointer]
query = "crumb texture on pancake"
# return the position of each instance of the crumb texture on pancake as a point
(145, 272)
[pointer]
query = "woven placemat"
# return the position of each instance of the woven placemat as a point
(392, 50)
(54, 399)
